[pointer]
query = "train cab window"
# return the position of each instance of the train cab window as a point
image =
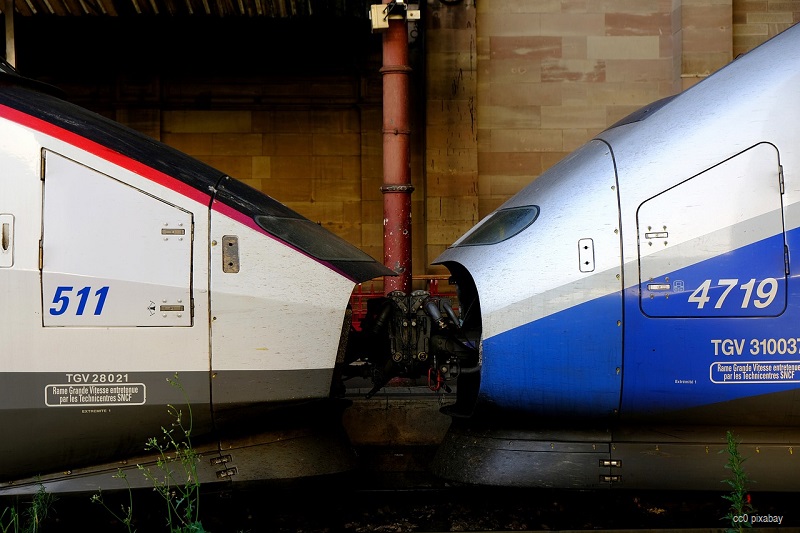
(713, 245)
(502, 225)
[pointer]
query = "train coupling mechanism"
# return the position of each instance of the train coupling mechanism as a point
(414, 336)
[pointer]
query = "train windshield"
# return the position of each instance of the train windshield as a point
(642, 113)
(311, 238)
(502, 225)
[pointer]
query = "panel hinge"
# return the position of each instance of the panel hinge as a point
(780, 178)
(786, 259)
(227, 472)
(610, 479)
(611, 463)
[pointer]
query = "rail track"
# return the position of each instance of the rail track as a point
(377, 498)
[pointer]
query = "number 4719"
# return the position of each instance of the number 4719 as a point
(765, 292)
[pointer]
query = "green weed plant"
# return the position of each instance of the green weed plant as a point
(738, 497)
(31, 519)
(174, 477)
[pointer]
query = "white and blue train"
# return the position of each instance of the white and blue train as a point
(641, 299)
(618, 317)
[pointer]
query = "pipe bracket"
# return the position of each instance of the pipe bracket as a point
(397, 188)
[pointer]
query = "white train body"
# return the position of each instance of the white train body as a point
(123, 262)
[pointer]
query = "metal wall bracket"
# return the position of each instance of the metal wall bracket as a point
(6, 241)
(230, 254)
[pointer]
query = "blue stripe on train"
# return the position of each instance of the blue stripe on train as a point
(566, 363)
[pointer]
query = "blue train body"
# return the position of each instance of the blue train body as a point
(655, 287)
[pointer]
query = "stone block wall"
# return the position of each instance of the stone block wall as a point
(551, 74)
(755, 21)
(451, 126)
(307, 157)
(503, 89)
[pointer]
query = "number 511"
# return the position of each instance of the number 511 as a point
(61, 300)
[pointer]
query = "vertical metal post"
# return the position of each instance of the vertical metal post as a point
(8, 14)
(397, 186)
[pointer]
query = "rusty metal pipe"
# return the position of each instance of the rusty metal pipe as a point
(397, 186)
